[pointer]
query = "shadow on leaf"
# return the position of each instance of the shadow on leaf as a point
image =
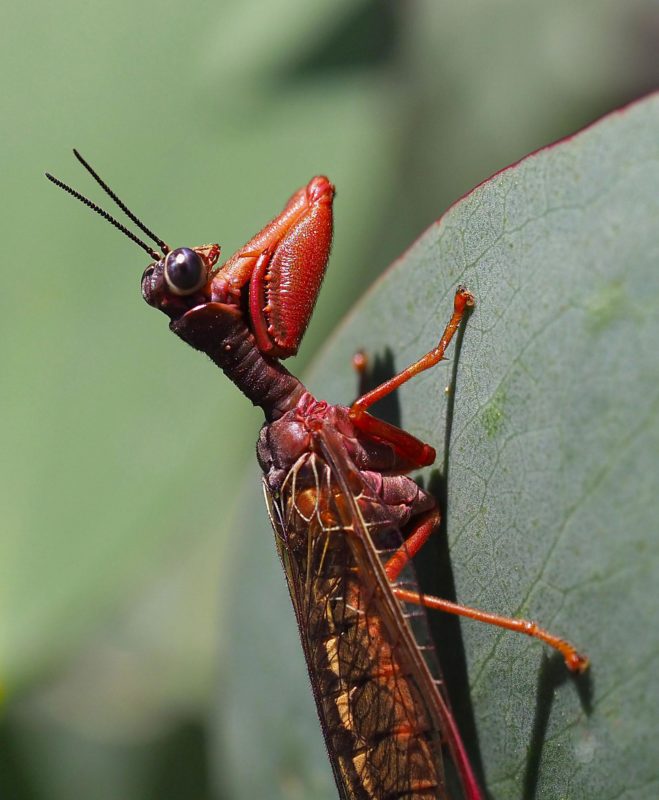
(552, 674)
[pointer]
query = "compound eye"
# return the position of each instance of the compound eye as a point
(185, 271)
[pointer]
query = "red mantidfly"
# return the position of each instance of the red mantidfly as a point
(347, 519)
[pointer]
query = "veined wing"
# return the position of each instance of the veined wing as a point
(382, 712)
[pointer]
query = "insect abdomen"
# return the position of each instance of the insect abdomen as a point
(373, 714)
(375, 721)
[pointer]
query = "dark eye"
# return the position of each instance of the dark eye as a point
(184, 271)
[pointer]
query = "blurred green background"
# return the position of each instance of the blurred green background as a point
(123, 451)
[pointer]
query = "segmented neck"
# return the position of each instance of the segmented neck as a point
(220, 331)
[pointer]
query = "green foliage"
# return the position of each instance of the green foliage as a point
(124, 451)
(550, 477)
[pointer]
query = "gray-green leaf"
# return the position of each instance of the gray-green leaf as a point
(552, 483)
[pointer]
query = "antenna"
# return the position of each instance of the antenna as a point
(122, 206)
(102, 213)
(156, 256)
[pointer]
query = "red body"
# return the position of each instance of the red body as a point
(281, 295)
(347, 520)
(250, 312)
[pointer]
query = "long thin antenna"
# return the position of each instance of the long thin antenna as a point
(122, 206)
(154, 255)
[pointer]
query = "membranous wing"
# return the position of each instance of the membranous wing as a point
(371, 665)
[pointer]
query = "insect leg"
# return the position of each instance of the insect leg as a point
(407, 446)
(420, 534)
(575, 661)
(360, 366)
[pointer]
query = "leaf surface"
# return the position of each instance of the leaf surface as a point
(550, 475)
